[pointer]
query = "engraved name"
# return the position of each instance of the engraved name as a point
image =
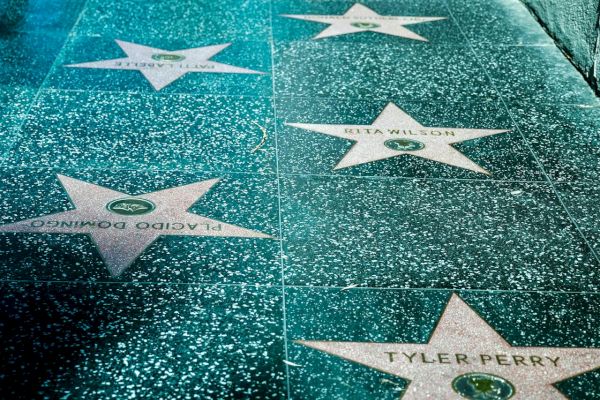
(472, 359)
(399, 132)
(373, 18)
(162, 65)
(157, 226)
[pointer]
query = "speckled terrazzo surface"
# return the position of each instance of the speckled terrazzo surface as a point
(307, 199)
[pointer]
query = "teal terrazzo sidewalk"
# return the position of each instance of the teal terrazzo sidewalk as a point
(254, 199)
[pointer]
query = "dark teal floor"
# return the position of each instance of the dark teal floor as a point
(196, 242)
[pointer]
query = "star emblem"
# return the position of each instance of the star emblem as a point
(360, 18)
(163, 67)
(395, 133)
(122, 226)
(466, 358)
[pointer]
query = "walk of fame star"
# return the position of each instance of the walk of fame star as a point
(360, 18)
(396, 133)
(163, 67)
(467, 358)
(123, 226)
